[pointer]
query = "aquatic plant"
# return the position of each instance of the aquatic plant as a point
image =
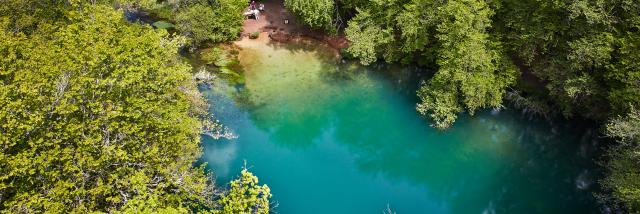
(163, 25)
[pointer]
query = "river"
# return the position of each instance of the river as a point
(332, 137)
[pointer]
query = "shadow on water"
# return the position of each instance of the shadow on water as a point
(547, 169)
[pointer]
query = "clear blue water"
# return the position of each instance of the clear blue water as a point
(329, 137)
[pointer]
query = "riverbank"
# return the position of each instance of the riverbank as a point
(282, 26)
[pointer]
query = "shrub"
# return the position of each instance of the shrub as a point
(202, 22)
(254, 35)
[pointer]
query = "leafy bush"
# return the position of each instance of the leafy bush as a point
(246, 196)
(315, 13)
(254, 35)
(216, 23)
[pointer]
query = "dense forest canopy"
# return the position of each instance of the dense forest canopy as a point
(583, 56)
(94, 96)
(99, 114)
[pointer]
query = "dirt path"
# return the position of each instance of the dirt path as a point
(272, 22)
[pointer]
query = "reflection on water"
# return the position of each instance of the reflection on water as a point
(340, 138)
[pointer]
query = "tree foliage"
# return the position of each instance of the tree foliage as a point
(246, 196)
(582, 49)
(98, 115)
(315, 13)
(473, 72)
(622, 169)
(216, 22)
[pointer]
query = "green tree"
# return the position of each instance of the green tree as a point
(245, 196)
(372, 32)
(472, 71)
(580, 49)
(623, 172)
(315, 13)
(216, 22)
(98, 115)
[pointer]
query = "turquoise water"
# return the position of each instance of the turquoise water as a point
(331, 137)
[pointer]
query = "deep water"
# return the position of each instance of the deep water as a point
(332, 137)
